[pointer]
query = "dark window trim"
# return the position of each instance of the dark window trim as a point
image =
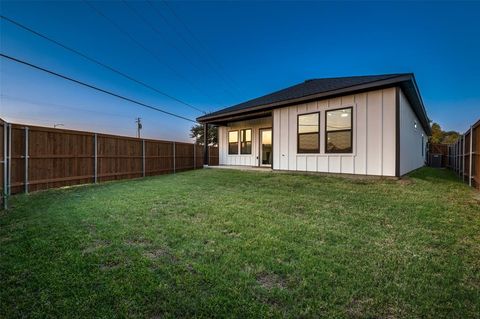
(350, 130)
(238, 142)
(316, 151)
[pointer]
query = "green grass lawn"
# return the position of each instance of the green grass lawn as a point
(224, 243)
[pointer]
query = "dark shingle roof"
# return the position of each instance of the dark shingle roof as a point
(320, 87)
(306, 88)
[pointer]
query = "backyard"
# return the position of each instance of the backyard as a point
(229, 243)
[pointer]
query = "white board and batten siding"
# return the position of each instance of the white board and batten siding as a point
(373, 136)
(413, 138)
(242, 159)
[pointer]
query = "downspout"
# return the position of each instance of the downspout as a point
(397, 131)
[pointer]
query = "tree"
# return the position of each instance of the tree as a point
(196, 132)
(450, 137)
(439, 136)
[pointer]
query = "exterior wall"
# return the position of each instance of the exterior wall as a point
(411, 143)
(245, 160)
(373, 136)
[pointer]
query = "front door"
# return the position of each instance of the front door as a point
(266, 149)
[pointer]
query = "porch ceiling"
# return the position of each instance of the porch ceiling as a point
(240, 117)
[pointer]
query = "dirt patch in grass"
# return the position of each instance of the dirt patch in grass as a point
(362, 308)
(356, 308)
(161, 253)
(5, 239)
(110, 265)
(191, 269)
(89, 227)
(406, 181)
(96, 245)
(156, 253)
(138, 242)
(270, 281)
(231, 233)
(476, 197)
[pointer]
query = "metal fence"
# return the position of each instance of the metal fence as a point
(36, 158)
(464, 156)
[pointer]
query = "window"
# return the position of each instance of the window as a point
(308, 140)
(338, 131)
(422, 146)
(246, 141)
(233, 142)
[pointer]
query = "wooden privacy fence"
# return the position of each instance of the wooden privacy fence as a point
(36, 158)
(464, 156)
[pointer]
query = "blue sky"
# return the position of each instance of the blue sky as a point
(230, 52)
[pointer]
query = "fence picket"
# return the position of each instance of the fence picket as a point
(36, 158)
(463, 156)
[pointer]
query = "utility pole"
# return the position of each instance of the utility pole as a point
(139, 126)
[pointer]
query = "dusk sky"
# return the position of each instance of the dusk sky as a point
(216, 54)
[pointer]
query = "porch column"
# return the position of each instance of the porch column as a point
(205, 144)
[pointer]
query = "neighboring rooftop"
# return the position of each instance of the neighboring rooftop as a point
(327, 87)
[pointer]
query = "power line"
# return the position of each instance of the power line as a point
(180, 35)
(153, 54)
(99, 63)
(210, 58)
(53, 105)
(155, 30)
(94, 87)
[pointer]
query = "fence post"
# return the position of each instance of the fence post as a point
(448, 155)
(463, 159)
(459, 147)
(471, 155)
(174, 168)
(143, 157)
(95, 158)
(26, 159)
(454, 156)
(5, 165)
(9, 159)
(194, 156)
(458, 156)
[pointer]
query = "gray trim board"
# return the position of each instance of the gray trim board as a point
(397, 131)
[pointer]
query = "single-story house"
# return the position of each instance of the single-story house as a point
(368, 125)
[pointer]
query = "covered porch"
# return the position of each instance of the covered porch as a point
(243, 140)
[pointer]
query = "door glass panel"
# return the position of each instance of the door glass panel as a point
(266, 152)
